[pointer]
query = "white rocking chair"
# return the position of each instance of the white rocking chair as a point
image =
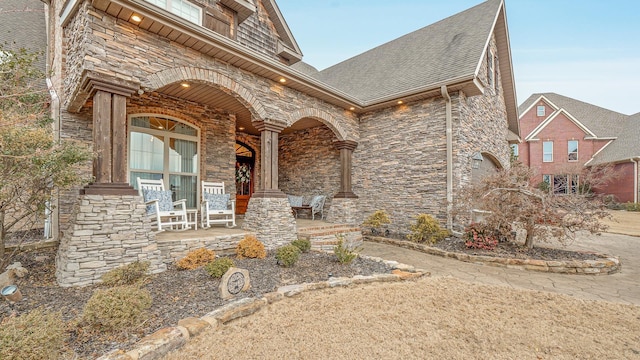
(163, 211)
(216, 206)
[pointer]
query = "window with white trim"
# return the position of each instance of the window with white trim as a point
(514, 150)
(183, 8)
(547, 151)
(165, 148)
(573, 150)
(540, 110)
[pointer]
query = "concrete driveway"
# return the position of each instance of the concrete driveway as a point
(622, 287)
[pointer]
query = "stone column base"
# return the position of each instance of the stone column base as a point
(105, 232)
(271, 220)
(344, 211)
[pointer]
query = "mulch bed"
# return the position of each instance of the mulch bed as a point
(176, 294)
(512, 250)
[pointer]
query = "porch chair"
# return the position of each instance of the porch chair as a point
(216, 206)
(163, 211)
(317, 206)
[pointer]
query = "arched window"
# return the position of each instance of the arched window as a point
(164, 148)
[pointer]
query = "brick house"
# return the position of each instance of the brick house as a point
(191, 90)
(560, 132)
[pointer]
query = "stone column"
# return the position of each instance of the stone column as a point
(109, 139)
(269, 212)
(344, 206)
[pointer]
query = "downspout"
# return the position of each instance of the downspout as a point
(51, 217)
(635, 178)
(449, 133)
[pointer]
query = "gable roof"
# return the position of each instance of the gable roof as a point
(447, 52)
(23, 25)
(555, 114)
(603, 123)
(625, 147)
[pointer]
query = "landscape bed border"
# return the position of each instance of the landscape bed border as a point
(171, 338)
(606, 265)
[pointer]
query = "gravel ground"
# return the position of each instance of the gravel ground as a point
(176, 294)
(432, 318)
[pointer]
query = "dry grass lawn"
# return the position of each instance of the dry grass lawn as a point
(433, 318)
(624, 222)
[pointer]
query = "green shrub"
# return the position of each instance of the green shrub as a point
(303, 244)
(287, 255)
(632, 206)
(117, 308)
(345, 253)
(126, 275)
(427, 230)
(35, 335)
(196, 258)
(219, 267)
(250, 247)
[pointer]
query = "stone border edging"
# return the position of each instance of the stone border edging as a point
(167, 339)
(606, 266)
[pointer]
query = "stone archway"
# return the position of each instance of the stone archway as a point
(211, 77)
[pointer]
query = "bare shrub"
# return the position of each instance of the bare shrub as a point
(509, 199)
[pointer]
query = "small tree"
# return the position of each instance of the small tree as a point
(32, 162)
(509, 198)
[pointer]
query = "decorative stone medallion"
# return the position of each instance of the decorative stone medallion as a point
(233, 282)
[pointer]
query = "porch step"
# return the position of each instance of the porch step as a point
(325, 237)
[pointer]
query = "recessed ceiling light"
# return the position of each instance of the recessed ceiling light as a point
(283, 80)
(399, 102)
(136, 18)
(241, 128)
(352, 108)
(185, 85)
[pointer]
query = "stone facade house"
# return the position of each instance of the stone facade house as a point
(560, 132)
(194, 90)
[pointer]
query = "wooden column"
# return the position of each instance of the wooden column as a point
(346, 148)
(102, 137)
(268, 186)
(109, 138)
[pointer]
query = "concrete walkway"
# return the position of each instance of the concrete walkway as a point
(622, 287)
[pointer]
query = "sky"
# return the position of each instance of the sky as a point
(588, 50)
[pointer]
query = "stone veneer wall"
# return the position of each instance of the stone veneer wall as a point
(271, 220)
(344, 211)
(400, 163)
(482, 127)
(309, 164)
(125, 51)
(105, 232)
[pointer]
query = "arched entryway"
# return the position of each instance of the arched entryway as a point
(245, 176)
(487, 166)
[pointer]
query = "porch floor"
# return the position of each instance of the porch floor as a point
(221, 230)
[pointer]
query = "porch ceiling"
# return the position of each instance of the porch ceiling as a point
(217, 99)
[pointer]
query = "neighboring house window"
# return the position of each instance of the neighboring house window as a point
(164, 148)
(573, 150)
(182, 8)
(547, 151)
(565, 184)
(546, 179)
(514, 150)
(540, 110)
(490, 73)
